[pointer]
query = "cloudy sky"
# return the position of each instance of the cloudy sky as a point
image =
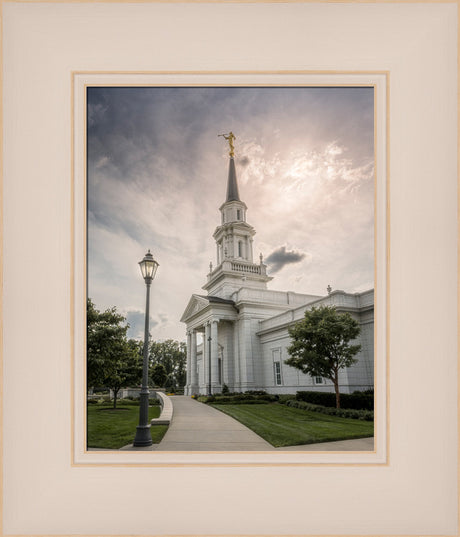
(157, 174)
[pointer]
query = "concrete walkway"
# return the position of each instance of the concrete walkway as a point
(199, 427)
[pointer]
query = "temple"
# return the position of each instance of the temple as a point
(237, 333)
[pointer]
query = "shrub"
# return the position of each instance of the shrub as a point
(225, 389)
(243, 402)
(127, 402)
(238, 398)
(283, 397)
(204, 399)
(366, 415)
(355, 400)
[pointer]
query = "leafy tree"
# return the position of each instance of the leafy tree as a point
(159, 375)
(321, 344)
(113, 361)
(172, 355)
(126, 372)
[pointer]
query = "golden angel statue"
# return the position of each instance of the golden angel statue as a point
(230, 137)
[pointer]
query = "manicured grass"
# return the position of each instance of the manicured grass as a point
(113, 429)
(284, 426)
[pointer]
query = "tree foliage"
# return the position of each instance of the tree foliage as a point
(172, 355)
(113, 361)
(159, 375)
(321, 344)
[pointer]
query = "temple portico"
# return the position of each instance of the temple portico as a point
(210, 362)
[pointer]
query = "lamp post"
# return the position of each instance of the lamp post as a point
(143, 437)
(209, 366)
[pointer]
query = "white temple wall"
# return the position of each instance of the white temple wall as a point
(247, 376)
(361, 374)
(274, 347)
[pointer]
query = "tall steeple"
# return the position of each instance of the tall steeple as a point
(234, 237)
(232, 185)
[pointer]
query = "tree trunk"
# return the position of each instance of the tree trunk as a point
(337, 393)
(115, 393)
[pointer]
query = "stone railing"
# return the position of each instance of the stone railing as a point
(243, 267)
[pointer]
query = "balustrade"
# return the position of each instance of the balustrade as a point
(243, 267)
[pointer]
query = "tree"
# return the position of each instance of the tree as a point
(172, 355)
(321, 344)
(113, 361)
(159, 375)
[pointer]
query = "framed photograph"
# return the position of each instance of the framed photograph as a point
(238, 309)
(269, 176)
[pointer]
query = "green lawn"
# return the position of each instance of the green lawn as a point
(113, 429)
(284, 426)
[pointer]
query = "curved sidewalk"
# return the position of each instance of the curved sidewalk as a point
(199, 427)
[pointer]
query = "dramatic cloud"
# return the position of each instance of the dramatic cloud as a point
(281, 257)
(157, 175)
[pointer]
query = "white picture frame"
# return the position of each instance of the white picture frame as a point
(44, 490)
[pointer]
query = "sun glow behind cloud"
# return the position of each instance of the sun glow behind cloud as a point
(157, 176)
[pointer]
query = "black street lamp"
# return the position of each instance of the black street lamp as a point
(143, 437)
(209, 366)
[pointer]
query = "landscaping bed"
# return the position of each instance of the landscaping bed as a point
(355, 400)
(367, 415)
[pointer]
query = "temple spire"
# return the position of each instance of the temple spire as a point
(232, 185)
(234, 244)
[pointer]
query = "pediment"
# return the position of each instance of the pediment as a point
(194, 306)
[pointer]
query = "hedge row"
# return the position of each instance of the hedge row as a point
(366, 415)
(239, 402)
(355, 400)
(125, 401)
(238, 398)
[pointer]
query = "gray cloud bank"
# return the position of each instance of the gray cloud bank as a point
(282, 257)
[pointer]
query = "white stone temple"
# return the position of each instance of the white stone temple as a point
(237, 333)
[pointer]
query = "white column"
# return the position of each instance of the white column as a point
(193, 364)
(229, 359)
(187, 390)
(250, 257)
(206, 364)
(214, 356)
(236, 355)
